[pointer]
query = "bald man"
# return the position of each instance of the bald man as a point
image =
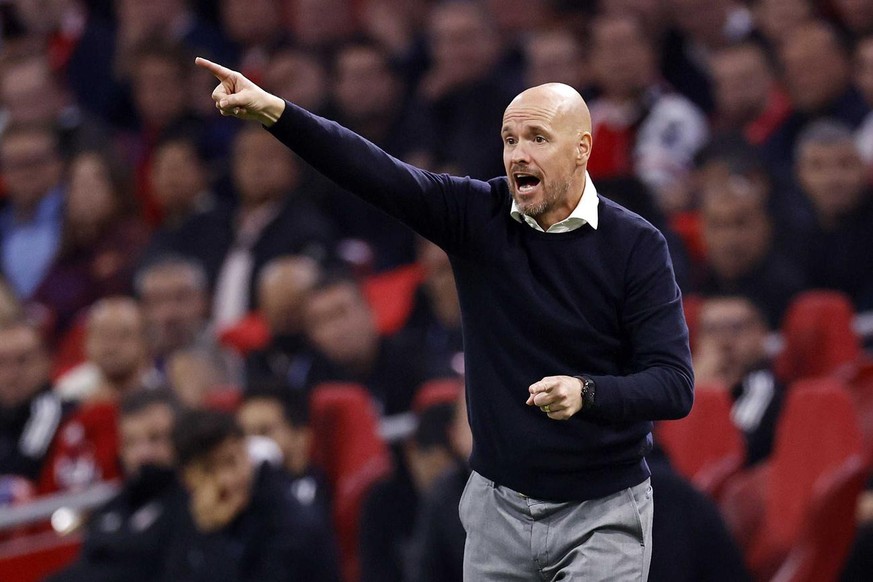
(574, 335)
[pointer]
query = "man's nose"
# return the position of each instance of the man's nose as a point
(519, 153)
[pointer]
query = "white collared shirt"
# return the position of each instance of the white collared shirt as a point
(584, 213)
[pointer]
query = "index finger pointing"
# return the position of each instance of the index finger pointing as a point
(220, 72)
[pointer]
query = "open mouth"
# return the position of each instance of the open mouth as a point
(525, 183)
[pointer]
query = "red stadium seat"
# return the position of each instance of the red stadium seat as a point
(858, 376)
(347, 446)
(31, 558)
(706, 447)
(818, 335)
(829, 529)
(247, 335)
(391, 296)
(817, 434)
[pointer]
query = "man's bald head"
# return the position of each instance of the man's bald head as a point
(564, 103)
(546, 145)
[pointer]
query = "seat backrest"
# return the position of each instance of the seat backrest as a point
(818, 335)
(437, 391)
(858, 376)
(817, 432)
(707, 436)
(32, 558)
(829, 530)
(391, 295)
(347, 446)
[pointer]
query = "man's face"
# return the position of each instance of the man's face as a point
(736, 227)
(542, 152)
(733, 328)
(340, 325)
(263, 169)
(28, 92)
(178, 176)
(116, 341)
(833, 176)
(365, 87)
(264, 417)
(816, 72)
(174, 308)
(742, 83)
(31, 167)
(160, 91)
(24, 365)
(461, 42)
(622, 61)
(224, 475)
(146, 438)
(864, 68)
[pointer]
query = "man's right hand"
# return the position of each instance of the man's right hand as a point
(236, 96)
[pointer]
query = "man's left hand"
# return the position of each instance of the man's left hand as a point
(559, 397)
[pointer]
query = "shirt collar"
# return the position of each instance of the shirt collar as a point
(584, 213)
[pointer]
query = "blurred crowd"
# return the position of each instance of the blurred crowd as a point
(173, 283)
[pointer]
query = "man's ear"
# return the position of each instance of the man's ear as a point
(583, 148)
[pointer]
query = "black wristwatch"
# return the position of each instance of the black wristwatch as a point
(588, 392)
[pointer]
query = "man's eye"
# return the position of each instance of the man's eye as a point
(509, 141)
(540, 139)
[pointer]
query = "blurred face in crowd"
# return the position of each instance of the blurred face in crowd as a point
(776, 18)
(24, 365)
(193, 374)
(224, 476)
(28, 92)
(736, 227)
(864, 68)
(250, 22)
(702, 20)
(742, 83)
(265, 417)
(160, 90)
(833, 176)
(857, 15)
(735, 330)
(554, 57)
(146, 438)
(312, 29)
(173, 299)
(365, 87)
(546, 144)
(816, 70)
(91, 197)
(115, 339)
(299, 77)
(339, 323)
(623, 61)
(31, 166)
(282, 292)
(462, 41)
(178, 177)
(263, 169)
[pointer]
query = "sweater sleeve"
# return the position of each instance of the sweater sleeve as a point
(434, 205)
(660, 384)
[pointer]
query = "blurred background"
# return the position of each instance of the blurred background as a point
(217, 365)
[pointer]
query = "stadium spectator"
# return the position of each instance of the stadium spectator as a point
(101, 240)
(775, 19)
(864, 81)
(641, 127)
(282, 415)
(125, 539)
(341, 329)
(31, 222)
(301, 75)
(555, 56)
(738, 236)
(834, 248)
(255, 30)
(241, 524)
(30, 413)
(389, 512)
(730, 353)
(310, 29)
(283, 286)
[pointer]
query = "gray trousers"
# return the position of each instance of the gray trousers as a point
(514, 537)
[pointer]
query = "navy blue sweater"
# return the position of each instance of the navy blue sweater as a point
(598, 302)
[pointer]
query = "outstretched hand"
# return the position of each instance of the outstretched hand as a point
(236, 96)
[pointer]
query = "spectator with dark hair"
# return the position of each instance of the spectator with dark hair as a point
(641, 126)
(855, 16)
(834, 248)
(31, 221)
(101, 242)
(741, 258)
(242, 525)
(817, 76)
(30, 412)
(389, 512)
(282, 415)
(341, 329)
(776, 19)
(180, 183)
(299, 74)
(126, 538)
(730, 354)
(283, 286)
